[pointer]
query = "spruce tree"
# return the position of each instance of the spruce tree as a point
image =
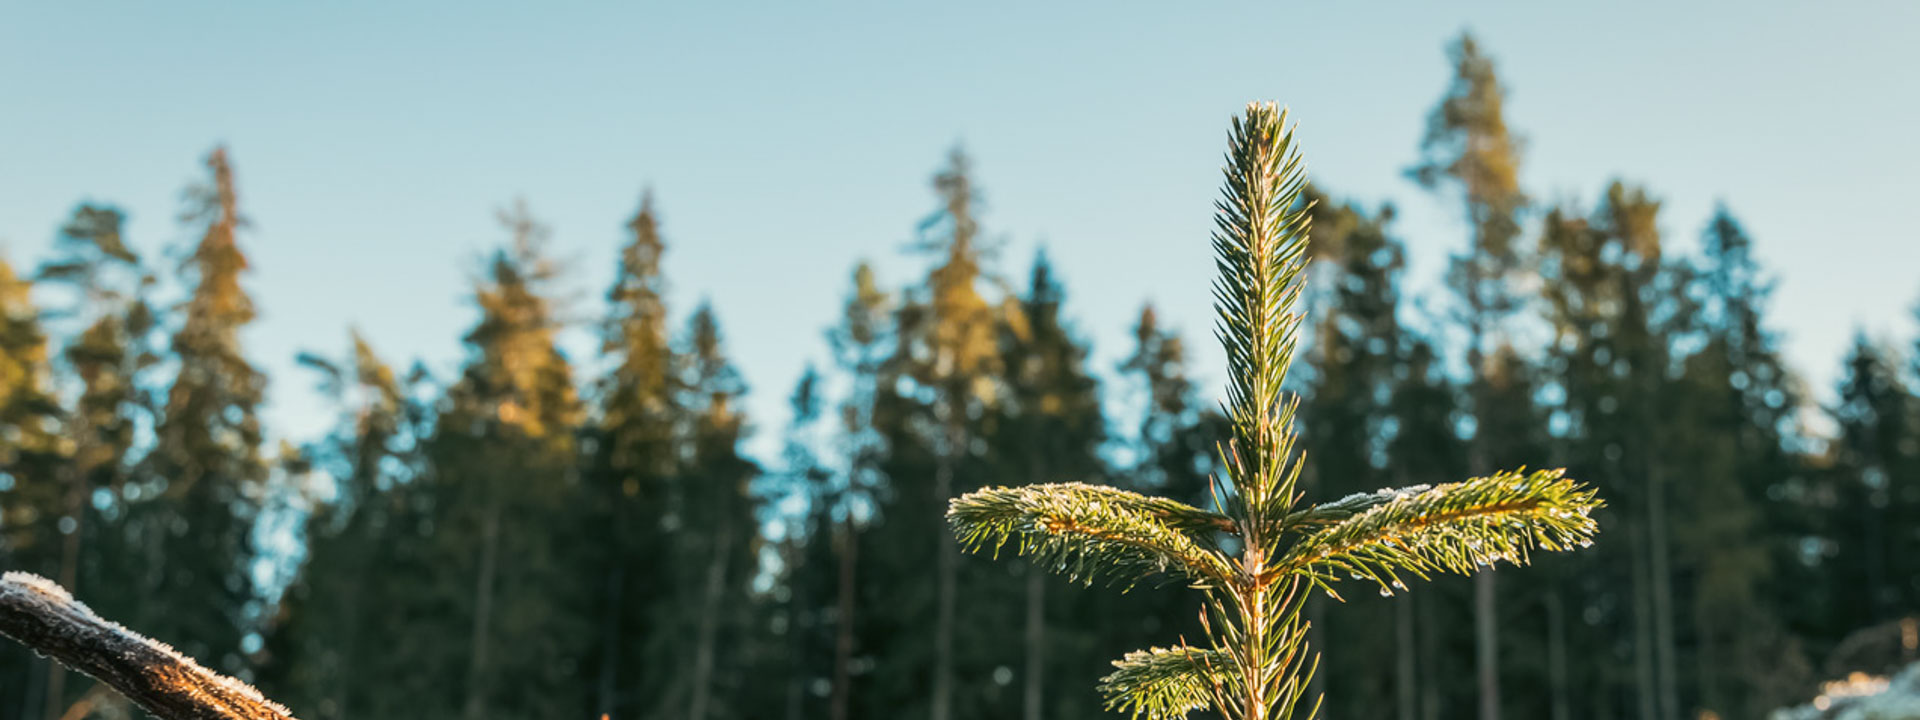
(807, 546)
(1468, 145)
(1875, 458)
(1261, 551)
(34, 505)
(1348, 424)
(106, 289)
(1425, 447)
(507, 527)
(1049, 427)
(1726, 419)
(1612, 362)
(718, 526)
(949, 349)
(1172, 449)
(862, 344)
(327, 650)
(199, 486)
(634, 455)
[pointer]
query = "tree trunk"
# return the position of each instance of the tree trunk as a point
(1406, 688)
(1425, 629)
(1406, 683)
(1643, 670)
(948, 569)
(482, 614)
(35, 696)
(843, 621)
(704, 648)
(1036, 618)
(797, 630)
(1036, 642)
(610, 633)
(1705, 660)
(1486, 643)
(56, 705)
(1486, 636)
(1557, 656)
(1662, 589)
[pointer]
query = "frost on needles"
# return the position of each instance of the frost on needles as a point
(1261, 551)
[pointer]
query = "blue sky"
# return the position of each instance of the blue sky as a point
(786, 140)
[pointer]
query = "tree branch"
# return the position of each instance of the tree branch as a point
(43, 616)
(1088, 531)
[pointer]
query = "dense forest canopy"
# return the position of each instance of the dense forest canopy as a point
(537, 534)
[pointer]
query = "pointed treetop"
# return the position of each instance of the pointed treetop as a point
(1260, 241)
(1467, 142)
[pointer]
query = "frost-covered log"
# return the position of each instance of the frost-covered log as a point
(43, 616)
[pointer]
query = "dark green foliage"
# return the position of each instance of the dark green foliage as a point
(633, 455)
(199, 487)
(509, 593)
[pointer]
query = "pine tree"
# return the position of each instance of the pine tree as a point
(200, 485)
(635, 453)
(1262, 552)
(107, 285)
(1615, 304)
(1729, 415)
(1425, 447)
(950, 351)
(327, 652)
(34, 506)
(1875, 457)
(1171, 454)
(1347, 416)
(507, 517)
(807, 546)
(718, 520)
(1049, 427)
(861, 346)
(1468, 144)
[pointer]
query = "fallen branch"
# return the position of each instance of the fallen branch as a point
(43, 616)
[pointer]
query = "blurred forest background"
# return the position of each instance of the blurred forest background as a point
(545, 536)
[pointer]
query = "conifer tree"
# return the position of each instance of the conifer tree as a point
(1425, 446)
(1172, 454)
(950, 350)
(1175, 433)
(807, 545)
(328, 648)
(861, 345)
(1258, 554)
(199, 486)
(33, 504)
(718, 520)
(1613, 360)
(106, 286)
(1875, 459)
(507, 519)
(1727, 418)
(1049, 428)
(1348, 424)
(636, 451)
(1468, 145)
(1758, 397)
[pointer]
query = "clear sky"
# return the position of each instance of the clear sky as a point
(786, 140)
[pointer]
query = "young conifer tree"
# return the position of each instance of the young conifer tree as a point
(1259, 553)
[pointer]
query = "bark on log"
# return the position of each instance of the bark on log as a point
(41, 615)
